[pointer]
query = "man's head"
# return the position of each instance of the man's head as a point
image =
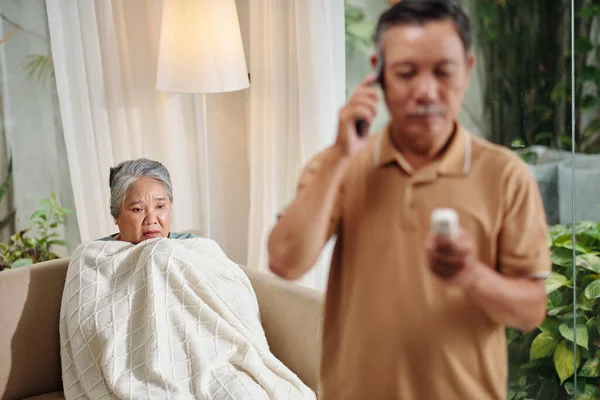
(426, 47)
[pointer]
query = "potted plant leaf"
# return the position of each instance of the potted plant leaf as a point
(543, 362)
(26, 248)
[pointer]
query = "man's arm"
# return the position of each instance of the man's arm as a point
(301, 232)
(510, 295)
(519, 303)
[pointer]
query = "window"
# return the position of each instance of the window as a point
(521, 97)
(31, 133)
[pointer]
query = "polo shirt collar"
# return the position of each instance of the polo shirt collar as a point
(456, 159)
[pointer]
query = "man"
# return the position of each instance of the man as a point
(409, 315)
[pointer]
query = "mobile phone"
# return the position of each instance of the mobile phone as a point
(361, 123)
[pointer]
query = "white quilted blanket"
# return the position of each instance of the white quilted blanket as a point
(165, 319)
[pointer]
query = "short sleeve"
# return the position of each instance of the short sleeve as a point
(307, 175)
(523, 240)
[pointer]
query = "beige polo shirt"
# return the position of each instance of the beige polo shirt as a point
(392, 329)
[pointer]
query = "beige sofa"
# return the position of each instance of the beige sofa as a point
(29, 339)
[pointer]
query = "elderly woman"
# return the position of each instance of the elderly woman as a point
(141, 197)
(162, 319)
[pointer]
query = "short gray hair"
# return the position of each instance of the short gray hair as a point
(128, 172)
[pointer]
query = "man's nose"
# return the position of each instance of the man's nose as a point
(426, 88)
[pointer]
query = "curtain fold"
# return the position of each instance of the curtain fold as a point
(105, 57)
(247, 163)
(298, 85)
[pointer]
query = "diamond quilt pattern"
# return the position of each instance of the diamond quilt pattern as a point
(165, 319)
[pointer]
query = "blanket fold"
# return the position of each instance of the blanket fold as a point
(165, 319)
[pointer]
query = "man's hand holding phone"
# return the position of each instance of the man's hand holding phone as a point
(362, 105)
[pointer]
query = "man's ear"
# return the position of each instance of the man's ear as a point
(374, 59)
(470, 64)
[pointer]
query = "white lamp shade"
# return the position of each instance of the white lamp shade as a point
(201, 48)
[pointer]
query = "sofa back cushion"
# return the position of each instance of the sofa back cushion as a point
(30, 300)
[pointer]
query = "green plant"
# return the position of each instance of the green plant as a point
(24, 249)
(526, 63)
(359, 29)
(542, 362)
(4, 187)
(39, 67)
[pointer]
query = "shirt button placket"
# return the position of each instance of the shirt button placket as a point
(408, 210)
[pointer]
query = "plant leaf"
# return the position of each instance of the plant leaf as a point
(559, 93)
(589, 101)
(57, 243)
(591, 368)
(550, 325)
(589, 10)
(555, 281)
(46, 204)
(590, 392)
(6, 184)
(558, 310)
(363, 29)
(582, 334)
(583, 45)
(589, 261)
(21, 262)
(563, 361)
(38, 67)
(543, 345)
(562, 256)
(30, 242)
(511, 335)
(592, 291)
(585, 304)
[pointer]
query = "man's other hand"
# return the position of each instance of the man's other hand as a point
(454, 261)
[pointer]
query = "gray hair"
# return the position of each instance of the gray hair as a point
(128, 172)
(407, 12)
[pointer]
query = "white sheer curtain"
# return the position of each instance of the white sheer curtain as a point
(298, 84)
(105, 56)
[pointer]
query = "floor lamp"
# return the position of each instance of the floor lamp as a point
(201, 52)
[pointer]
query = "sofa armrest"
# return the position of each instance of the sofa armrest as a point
(30, 300)
(292, 318)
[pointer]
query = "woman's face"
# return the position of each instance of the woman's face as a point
(145, 213)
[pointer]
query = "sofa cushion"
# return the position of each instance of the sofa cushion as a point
(48, 396)
(292, 317)
(29, 332)
(29, 337)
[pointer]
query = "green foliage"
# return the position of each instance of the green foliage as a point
(542, 362)
(4, 187)
(359, 29)
(527, 66)
(25, 249)
(39, 67)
